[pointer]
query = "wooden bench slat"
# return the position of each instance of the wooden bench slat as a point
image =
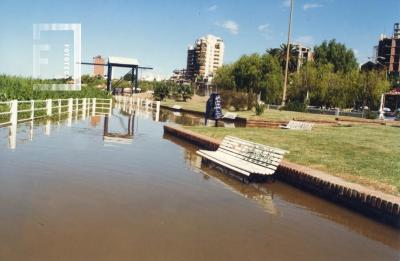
(264, 163)
(244, 149)
(260, 146)
(205, 155)
(245, 157)
(237, 163)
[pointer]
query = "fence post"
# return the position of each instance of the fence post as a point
(77, 105)
(87, 106)
(48, 106)
(157, 110)
(32, 109)
(93, 106)
(14, 113)
(83, 108)
(12, 139)
(59, 106)
(70, 105)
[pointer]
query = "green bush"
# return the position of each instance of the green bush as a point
(161, 90)
(21, 88)
(368, 114)
(295, 106)
(238, 100)
(259, 108)
(183, 91)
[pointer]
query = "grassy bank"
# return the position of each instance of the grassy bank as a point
(369, 155)
(21, 88)
(198, 104)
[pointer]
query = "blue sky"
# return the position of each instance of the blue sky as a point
(158, 32)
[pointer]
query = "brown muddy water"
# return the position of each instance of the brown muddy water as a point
(118, 189)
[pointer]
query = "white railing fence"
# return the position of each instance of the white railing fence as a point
(139, 103)
(14, 111)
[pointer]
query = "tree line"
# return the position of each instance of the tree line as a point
(332, 78)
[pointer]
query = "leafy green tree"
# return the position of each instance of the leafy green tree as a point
(161, 90)
(370, 87)
(337, 54)
(224, 78)
(246, 73)
(281, 54)
(271, 79)
(184, 91)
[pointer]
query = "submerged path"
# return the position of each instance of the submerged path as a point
(69, 193)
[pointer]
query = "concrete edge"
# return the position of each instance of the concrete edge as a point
(372, 203)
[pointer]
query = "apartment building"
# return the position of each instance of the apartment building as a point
(204, 58)
(303, 55)
(388, 51)
(98, 70)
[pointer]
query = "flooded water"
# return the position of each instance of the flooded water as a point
(117, 188)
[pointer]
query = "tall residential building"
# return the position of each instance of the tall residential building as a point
(303, 54)
(204, 58)
(98, 70)
(388, 51)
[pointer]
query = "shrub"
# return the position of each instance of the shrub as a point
(295, 106)
(368, 114)
(183, 91)
(161, 90)
(259, 108)
(238, 100)
(21, 88)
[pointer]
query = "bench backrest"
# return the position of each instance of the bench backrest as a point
(230, 115)
(299, 125)
(255, 153)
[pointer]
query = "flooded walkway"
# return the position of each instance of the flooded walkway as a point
(116, 188)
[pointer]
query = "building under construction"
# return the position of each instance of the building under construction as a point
(204, 58)
(388, 52)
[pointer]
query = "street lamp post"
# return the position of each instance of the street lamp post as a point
(287, 54)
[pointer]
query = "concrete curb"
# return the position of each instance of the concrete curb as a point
(375, 204)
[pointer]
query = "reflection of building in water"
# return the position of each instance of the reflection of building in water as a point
(251, 191)
(123, 138)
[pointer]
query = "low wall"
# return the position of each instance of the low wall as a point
(375, 204)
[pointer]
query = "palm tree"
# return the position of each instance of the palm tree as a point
(281, 54)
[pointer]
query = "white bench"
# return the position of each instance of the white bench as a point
(245, 157)
(298, 125)
(176, 107)
(230, 116)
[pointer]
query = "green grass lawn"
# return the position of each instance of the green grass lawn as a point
(365, 154)
(199, 103)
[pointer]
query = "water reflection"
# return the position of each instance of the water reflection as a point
(194, 119)
(147, 196)
(251, 191)
(118, 137)
(126, 116)
(267, 194)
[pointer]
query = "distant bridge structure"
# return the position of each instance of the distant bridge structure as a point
(122, 62)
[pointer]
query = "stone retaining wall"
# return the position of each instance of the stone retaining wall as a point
(372, 203)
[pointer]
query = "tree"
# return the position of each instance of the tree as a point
(271, 79)
(280, 53)
(370, 87)
(184, 91)
(161, 90)
(224, 78)
(337, 54)
(246, 73)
